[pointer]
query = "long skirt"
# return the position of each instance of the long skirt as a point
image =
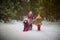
(30, 24)
(25, 28)
(30, 20)
(30, 27)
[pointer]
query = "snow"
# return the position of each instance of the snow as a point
(14, 31)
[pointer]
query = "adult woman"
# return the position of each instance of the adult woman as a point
(30, 17)
(38, 21)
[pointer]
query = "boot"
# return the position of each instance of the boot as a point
(38, 26)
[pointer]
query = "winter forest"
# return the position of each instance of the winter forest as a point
(29, 19)
(16, 9)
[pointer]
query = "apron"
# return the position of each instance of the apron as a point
(30, 22)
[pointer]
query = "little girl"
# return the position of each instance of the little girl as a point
(25, 24)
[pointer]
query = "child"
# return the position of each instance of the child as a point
(30, 17)
(25, 24)
(38, 21)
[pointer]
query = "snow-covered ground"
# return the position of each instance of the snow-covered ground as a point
(14, 31)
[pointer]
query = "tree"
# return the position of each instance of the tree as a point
(52, 8)
(12, 9)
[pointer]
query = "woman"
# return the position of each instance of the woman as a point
(38, 21)
(30, 17)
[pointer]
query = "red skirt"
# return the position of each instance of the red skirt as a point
(38, 27)
(25, 28)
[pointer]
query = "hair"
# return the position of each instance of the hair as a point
(30, 12)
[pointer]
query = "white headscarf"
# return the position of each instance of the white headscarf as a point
(30, 12)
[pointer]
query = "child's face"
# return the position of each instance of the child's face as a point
(25, 21)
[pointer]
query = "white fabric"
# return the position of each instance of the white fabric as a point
(30, 12)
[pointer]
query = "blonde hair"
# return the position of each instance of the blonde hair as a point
(30, 12)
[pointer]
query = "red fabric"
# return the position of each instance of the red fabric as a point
(25, 26)
(25, 29)
(30, 16)
(38, 26)
(30, 25)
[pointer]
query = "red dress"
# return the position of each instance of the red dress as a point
(25, 25)
(30, 16)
